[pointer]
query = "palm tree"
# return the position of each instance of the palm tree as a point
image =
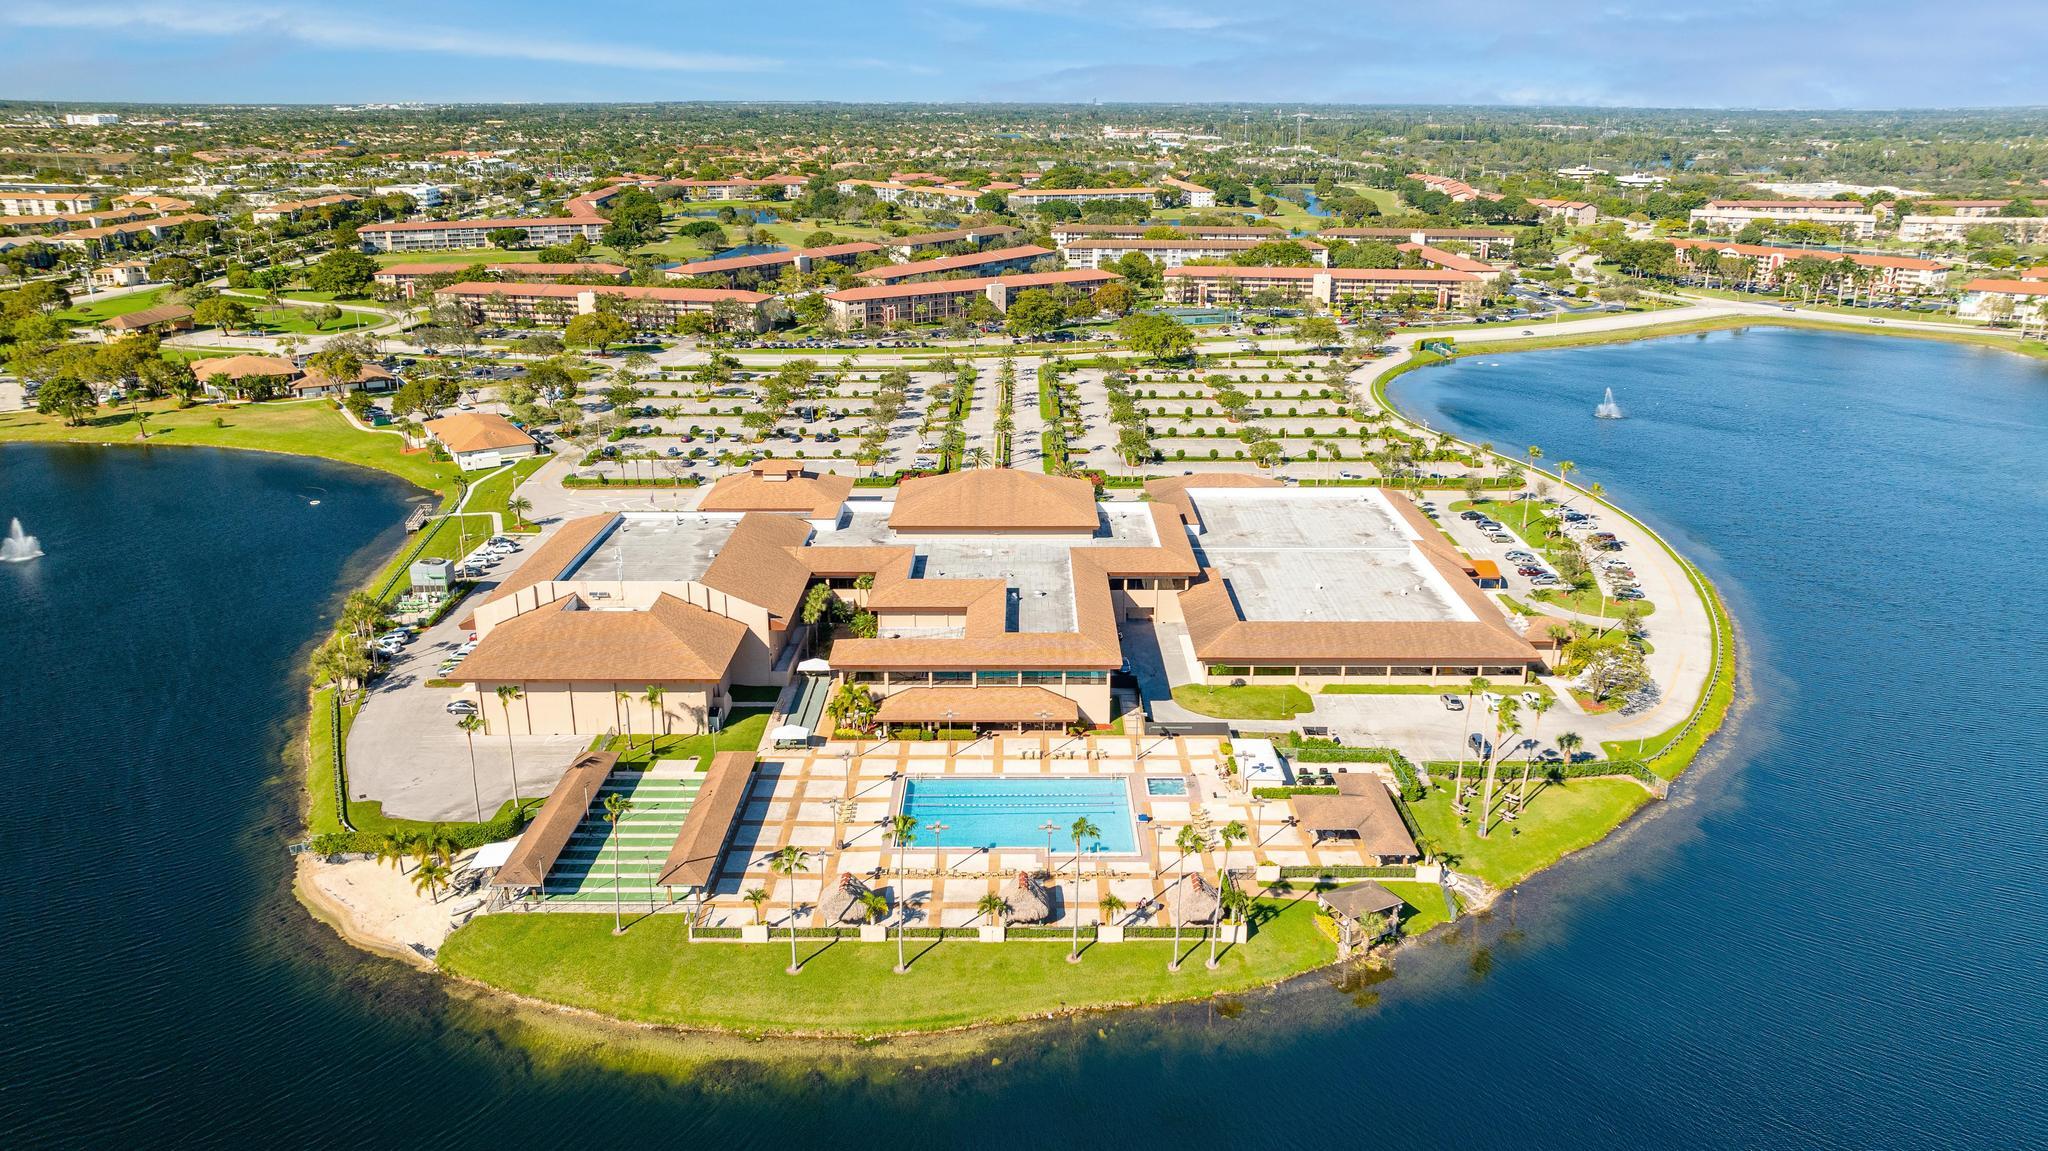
(1537, 707)
(1504, 725)
(1189, 841)
(436, 844)
(875, 904)
(755, 897)
(626, 698)
(902, 833)
(993, 906)
(470, 724)
(1478, 686)
(788, 863)
(431, 874)
(507, 692)
(1108, 907)
(1083, 828)
(518, 506)
(392, 848)
(615, 808)
(1230, 833)
(653, 698)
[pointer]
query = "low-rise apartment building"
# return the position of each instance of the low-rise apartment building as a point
(937, 301)
(993, 262)
(46, 203)
(431, 235)
(124, 235)
(1458, 190)
(1033, 197)
(2024, 301)
(1066, 234)
(1486, 243)
(940, 196)
(122, 274)
(905, 248)
(1895, 275)
(1172, 253)
(1577, 213)
(405, 278)
(1856, 220)
(293, 209)
(1206, 286)
(1918, 229)
(558, 303)
(1190, 194)
(1976, 208)
(769, 265)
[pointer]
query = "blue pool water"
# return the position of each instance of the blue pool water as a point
(1011, 812)
(1167, 786)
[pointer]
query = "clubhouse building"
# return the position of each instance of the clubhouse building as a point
(997, 597)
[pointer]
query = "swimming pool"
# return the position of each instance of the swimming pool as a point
(1009, 811)
(1166, 785)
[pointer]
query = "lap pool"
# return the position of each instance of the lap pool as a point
(1008, 812)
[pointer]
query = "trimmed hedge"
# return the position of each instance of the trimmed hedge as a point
(1284, 792)
(1347, 871)
(1330, 751)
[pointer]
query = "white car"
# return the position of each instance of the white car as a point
(466, 647)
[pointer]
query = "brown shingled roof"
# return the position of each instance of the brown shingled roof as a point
(978, 705)
(994, 500)
(761, 563)
(815, 497)
(477, 432)
(1361, 805)
(693, 860)
(542, 842)
(671, 642)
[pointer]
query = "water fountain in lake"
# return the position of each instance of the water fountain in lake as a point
(1608, 409)
(19, 547)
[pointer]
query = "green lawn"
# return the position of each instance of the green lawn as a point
(366, 815)
(459, 257)
(1425, 688)
(652, 975)
(1561, 818)
(1253, 701)
(1425, 905)
(300, 428)
(99, 310)
(1589, 601)
(492, 494)
(286, 320)
(743, 732)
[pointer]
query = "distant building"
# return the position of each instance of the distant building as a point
(91, 119)
(1955, 229)
(2025, 301)
(46, 203)
(1580, 172)
(902, 248)
(1191, 195)
(993, 262)
(429, 235)
(1095, 253)
(293, 209)
(1458, 190)
(1734, 215)
(1207, 286)
(1486, 243)
(1577, 213)
(937, 301)
(1033, 197)
(1642, 180)
(1065, 235)
(1896, 275)
(480, 439)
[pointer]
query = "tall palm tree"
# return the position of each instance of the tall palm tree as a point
(507, 692)
(430, 875)
(1190, 842)
(392, 848)
(1504, 725)
(470, 725)
(1083, 828)
(1537, 708)
(902, 833)
(1228, 834)
(615, 808)
(653, 698)
(875, 904)
(788, 862)
(1476, 687)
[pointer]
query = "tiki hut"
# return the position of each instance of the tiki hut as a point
(1197, 901)
(1029, 902)
(842, 901)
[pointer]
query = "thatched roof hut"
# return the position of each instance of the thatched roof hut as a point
(842, 900)
(1196, 901)
(1029, 902)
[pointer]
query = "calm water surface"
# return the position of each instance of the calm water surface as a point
(1831, 938)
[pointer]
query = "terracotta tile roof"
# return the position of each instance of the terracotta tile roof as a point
(241, 367)
(994, 500)
(932, 239)
(477, 432)
(978, 705)
(955, 263)
(771, 259)
(1389, 233)
(814, 497)
(1078, 277)
(544, 838)
(479, 289)
(693, 859)
(567, 641)
(761, 563)
(2009, 287)
(314, 378)
(1437, 257)
(436, 225)
(1217, 243)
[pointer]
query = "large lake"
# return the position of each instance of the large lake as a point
(1831, 938)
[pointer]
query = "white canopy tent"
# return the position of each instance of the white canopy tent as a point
(1260, 763)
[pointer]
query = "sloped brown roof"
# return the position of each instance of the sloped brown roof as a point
(552, 558)
(995, 500)
(548, 834)
(1363, 805)
(242, 367)
(762, 563)
(693, 860)
(477, 432)
(315, 378)
(978, 705)
(1360, 899)
(672, 641)
(815, 497)
(143, 318)
(1221, 636)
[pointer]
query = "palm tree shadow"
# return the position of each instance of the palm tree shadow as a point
(829, 945)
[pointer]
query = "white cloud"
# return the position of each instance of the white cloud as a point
(327, 29)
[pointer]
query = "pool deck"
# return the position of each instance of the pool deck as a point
(834, 800)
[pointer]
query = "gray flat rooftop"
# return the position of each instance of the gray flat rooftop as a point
(1293, 555)
(658, 546)
(1038, 569)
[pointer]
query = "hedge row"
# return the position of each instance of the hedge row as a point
(1307, 750)
(1347, 871)
(1284, 792)
(463, 835)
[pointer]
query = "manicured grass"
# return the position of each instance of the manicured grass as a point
(651, 974)
(1589, 602)
(300, 428)
(1822, 305)
(1561, 818)
(444, 538)
(460, 257)
(494, 493)
(743, 732)
(1253, 701)
(1668, 753)
(1425, 905)
(366, 815)
(286, 320)
(98, 310)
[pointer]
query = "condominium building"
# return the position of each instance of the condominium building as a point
(293, 209)
(1894, 275)
(937, 301)
(406, 277)
(1065, 234)
(1033, 197)
(993, 262)
(1977, 208)
(1577, 213)
(2023, 300)
(769, 265)
(1095, 253)
(1191, 195)
(501, 303)
(1458, 190)
(125, 235)
(903, 248)
(1734, 215)
(1337, 288)
(429, 235)
(941, 196)
(1438, 258)
(1486, 243)
(1919, 229)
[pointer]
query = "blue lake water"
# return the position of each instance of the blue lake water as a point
(1013, 812)
(1830, 938)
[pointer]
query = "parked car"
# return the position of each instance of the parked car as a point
(461, 707)
(466, 647)
(1452, 702)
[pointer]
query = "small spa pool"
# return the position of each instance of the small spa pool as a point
(1010, 811)
(1168, 785)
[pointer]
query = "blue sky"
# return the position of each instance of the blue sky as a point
(1698, 53)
